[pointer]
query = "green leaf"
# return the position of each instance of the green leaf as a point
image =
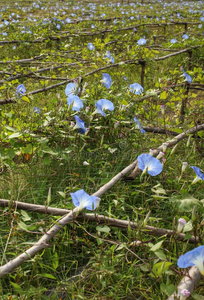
(196, 296)
(25, 98)
(163, 95)
(10, 128)
(167, 289)
(50, 276)
(15, 135)
(25, 216)
(158, 189)
(23, 226)
(62, 194)
(55, 261)
(156, 246)
(17, 287)
(188, 226)
(160, 254)
(161, 267)
(186, 202)
(104, 228)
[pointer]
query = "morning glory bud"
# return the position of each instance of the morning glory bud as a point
(184, 165)
(160, 155)
(162, 109)
(164, 145)
(151, 151)
(181, 223)
(174, 149)
(194, 215)
(188, 141)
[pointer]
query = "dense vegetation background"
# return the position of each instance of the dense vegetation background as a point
(46, 45)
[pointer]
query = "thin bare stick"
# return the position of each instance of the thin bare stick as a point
(188, 282)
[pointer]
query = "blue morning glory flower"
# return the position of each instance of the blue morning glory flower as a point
(202, 19)
(108, 54)
(80, 125)
(112, 60)
(83, 200)
(191, 258)
(20, 90)
(136, 88)
(141, 41)
(187, 76)
(90, 46)
(92, 26)
(75, 102)
(185, 36)
(70, 89)
(106, 80)
(139, 125)
(103, 104)
(173, 41)
(37, 110)
(152, 165)
(58, 26)
(199, 174)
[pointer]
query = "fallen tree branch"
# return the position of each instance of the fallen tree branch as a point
(76, 34)
(97, 219)
(132, 61)
(188, 282)
(169, 144)
(40, 245)
(43, 242)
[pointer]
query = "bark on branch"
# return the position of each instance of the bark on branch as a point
(188, 282)
(95, 218)
(169, 144)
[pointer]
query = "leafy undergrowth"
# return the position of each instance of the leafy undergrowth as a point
(41, 149)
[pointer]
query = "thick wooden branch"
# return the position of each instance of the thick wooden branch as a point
(40, 245)
(169, 144)
(133, 61)
(43, 242)
(76, 34)
(95, 218)
(188, 282)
